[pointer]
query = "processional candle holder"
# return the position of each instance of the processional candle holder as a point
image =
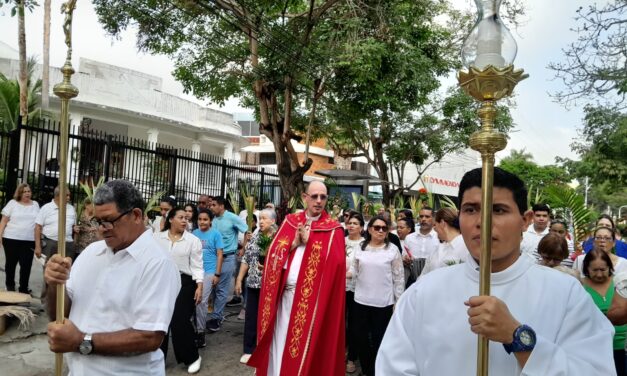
(488, 54)
(65, 91)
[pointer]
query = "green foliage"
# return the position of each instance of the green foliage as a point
(153, 202)
(568, 199)
(10, 97)
(535, 177)
(446, 202)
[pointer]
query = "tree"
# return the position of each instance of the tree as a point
(444, 130)
(266, 53)
(10, 97)
(601, 147)
(537, 177)
(594, 69)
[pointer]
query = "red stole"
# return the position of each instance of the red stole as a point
(319, 300)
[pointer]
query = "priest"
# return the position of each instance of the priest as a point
(538, 321)
(301, 303)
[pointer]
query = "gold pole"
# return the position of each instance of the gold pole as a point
(65, 91)
(487, 86)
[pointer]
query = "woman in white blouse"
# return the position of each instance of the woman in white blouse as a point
(17, 236)
(186, 251)
(377, 270)
(452, 250)
(354, 226)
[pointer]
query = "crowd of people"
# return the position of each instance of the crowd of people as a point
(322, 295)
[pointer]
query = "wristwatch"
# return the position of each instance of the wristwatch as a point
(524, 340)
(216, 274)
(87, 346)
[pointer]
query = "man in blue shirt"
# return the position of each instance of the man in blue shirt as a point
(228, 225)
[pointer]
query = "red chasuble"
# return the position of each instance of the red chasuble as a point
(315, 339)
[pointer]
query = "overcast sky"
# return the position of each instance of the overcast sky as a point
(544, 128)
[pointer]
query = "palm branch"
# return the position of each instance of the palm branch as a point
(567, 198)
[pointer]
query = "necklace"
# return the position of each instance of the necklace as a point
(175, 236)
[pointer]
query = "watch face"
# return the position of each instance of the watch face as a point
(526, 338)
(85, 347)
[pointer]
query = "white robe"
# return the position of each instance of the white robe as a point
(429, 333)
(284, 310)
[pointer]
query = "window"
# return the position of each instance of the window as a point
(267, 158)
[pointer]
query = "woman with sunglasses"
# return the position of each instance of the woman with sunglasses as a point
(598, 271)
(604, 241)
(185, 250)
(377, 270)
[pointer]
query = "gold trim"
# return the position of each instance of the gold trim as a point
(306, 291)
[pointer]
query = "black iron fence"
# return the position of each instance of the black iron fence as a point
(30, 154)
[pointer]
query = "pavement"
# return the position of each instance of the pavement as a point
(26, 353)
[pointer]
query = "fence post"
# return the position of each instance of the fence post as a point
(107, 157)
(261, 189)
(14, 154)
(172, 172)
(223, 187)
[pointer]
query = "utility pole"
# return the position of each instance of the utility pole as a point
(586, 188)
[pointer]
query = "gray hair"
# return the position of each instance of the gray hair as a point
(57, 191)
(269, 213)
(121, 192)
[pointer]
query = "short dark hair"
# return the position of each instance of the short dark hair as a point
(541, 207)
(426, 208)
(122, 193)
(553, 245)
(407, 213)
(220, 201)
(206, 211)
(502, 179)
(609, 218)
(593, 255)
(358, 217)
(409, 222)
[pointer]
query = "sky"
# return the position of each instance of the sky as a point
(543, 128)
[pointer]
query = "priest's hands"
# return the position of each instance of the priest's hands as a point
(302, 235)
(490, 317)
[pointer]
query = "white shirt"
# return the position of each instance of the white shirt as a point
(447, 254)
(429, 333)
(422, 246)
(21, 225)
(351, 247)
(156, 224)
(185, 252)
(530, 240)
(48, 219)
(133, 288)
(378, 275)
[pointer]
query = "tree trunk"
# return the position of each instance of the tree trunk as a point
(45, 75)
(23, 76)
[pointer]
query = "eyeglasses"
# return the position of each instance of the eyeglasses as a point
(108, 225)
(380, 228)
(316, 196)
(603, 238)
(548, 258)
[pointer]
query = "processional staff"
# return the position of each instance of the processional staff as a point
(65, 91)
(488, 53)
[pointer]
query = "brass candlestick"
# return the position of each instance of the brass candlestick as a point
(487, 86)
(65, 91)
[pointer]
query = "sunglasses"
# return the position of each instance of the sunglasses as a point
(378, 228)
(315, 197)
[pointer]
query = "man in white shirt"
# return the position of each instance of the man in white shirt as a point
(420, 245)
(120, 293)
(539, 321)
(47, 224)
(535, 232)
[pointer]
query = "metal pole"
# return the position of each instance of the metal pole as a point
(487, 86)
(65, 91)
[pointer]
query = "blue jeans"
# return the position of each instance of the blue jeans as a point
(222, 289)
